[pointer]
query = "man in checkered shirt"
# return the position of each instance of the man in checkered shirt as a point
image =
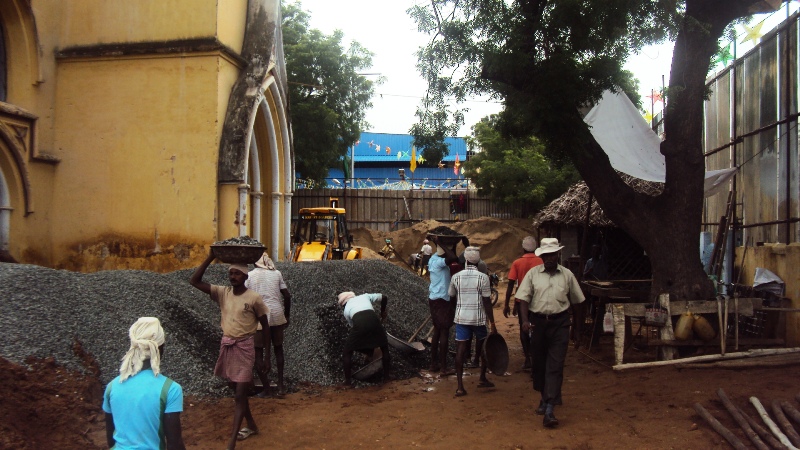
(470, 289)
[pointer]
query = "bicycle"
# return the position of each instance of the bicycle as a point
(494, 280)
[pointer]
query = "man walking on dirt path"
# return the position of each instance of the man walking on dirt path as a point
(519, 268)
(269, 283)
(470, 291)
(442, 309)
(143, 407)
(547, 293)
(242, 310)
(366, 331)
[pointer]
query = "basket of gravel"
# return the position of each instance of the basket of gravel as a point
(241, 250)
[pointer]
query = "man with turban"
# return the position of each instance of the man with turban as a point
(366, 330)
(268, 282)
(470, 291)
(241, 311)
(143, 407)
(519, 268)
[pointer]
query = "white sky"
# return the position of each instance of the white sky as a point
(384, 28)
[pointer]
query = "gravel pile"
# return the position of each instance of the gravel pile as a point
(43, 312)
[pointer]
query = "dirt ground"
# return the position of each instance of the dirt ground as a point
(47, 406)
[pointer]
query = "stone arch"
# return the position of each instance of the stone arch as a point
(14, 156)
(21, 45)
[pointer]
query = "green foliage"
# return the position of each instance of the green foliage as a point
(545, 59)
(515, 170)
(328, 98)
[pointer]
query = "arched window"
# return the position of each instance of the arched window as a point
(3, 68)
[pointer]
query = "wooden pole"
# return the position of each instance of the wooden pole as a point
(737, 355)
(719, 428)
(763, 432)
(748, 430)
(787, 427)
(770, 424)
(667, 353)
(791, 411)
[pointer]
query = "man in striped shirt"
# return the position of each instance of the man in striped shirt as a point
(470, 290)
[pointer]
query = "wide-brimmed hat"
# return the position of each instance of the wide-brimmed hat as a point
(548, 245)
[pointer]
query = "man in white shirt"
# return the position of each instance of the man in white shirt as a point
(470, 290)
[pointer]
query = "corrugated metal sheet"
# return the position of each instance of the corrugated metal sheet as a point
(423, 176)
(373, 148)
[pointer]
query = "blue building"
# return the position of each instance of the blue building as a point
(384, 161)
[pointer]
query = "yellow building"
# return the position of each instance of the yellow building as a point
(135, 133)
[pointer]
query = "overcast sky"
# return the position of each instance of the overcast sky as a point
(385, 29)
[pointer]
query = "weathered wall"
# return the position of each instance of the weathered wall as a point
(127, 101)
(783, 260)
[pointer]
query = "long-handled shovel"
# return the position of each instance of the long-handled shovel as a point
(419, 328)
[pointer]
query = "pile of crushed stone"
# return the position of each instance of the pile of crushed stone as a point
(45, 312)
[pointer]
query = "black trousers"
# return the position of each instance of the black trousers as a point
(549, 340)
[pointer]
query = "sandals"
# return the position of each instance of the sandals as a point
(461, 392)
(485, 384)
(245, 433)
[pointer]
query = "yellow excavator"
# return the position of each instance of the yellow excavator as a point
(321, 234)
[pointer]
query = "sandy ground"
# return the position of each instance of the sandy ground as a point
(48, 407)
(642, 409)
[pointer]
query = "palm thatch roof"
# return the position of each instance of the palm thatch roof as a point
(570, 208)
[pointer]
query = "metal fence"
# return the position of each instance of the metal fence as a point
(388, 210)
(751, 123)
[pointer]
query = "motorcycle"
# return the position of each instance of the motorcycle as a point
(494, 280)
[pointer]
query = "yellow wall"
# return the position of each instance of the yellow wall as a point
(126, 175)
(783, 260)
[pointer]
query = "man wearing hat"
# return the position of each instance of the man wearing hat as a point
(241, 311)
(366, 330)
(268, 282)
(546, 295)
(519, 268)
(426, 252)
(143, 407)
(470, 290)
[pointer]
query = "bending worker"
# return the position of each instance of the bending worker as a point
(366, 330)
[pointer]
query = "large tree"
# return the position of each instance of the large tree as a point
(515, 171)
(328, 97)
(548, 58)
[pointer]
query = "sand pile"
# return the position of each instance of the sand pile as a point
(500, 240)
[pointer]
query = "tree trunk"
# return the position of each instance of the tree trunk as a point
(668, 226)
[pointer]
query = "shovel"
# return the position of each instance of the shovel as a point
(419, 328)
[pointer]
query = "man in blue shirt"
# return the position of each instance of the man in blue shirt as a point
(143, 407)
(443, 311)
(366, 330)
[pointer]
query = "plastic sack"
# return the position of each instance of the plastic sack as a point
(608, 321)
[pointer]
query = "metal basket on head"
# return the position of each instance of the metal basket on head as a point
(447, 240)
(237, 253)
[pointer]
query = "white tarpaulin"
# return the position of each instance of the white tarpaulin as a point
(632, 147)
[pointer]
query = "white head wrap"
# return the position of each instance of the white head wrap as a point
(345, 296)
(472, 254)
(265, 262)
(146, 336)
(529, 243)
(240, 267)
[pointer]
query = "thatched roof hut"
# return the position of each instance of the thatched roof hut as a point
(570, 208)
(565, 218)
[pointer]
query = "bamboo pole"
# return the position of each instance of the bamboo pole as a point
(737, 355)
(763, 432)
(787, 427)
(719, 428)
(770, 424)
(762, 361)
(748, 430)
